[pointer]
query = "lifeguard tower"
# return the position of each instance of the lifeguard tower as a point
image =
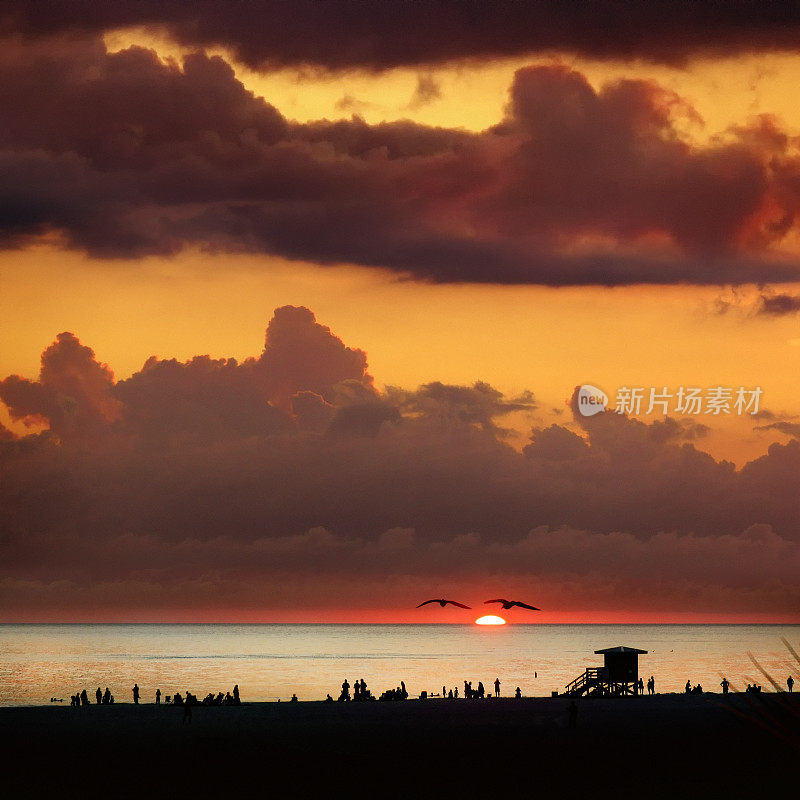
(618, 676)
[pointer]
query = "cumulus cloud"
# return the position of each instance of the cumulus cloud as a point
(201, 484)
(574, 186)
(73, 393)
(301, 354)
(343, 34)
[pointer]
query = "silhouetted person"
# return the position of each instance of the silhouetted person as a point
(790, 682)
(481, 690)
(136, 694)
(450, 695)
(651, 685)
(158, 697)
(99, 695)
(404, 693)
(107, 697)
(345, 690)
(357, 690)
(725, 686)
(455, 694)
(236, 699)
(572, 714)
(518, 693)
(294, 698)
(640, 686)
(497, 687)
(328, 698)
(688, 687)
(84, 698)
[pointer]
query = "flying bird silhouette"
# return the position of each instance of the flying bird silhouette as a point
(443, 603)
(511, 603)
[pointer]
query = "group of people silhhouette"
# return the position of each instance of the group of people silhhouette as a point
(360, 692)
(228, 699)
(106, 698)
(82, 699)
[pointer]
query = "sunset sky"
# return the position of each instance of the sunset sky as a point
(294, 298)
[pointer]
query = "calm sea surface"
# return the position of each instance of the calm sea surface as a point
(269, 662)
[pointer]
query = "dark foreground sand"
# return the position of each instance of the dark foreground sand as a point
(663, 746)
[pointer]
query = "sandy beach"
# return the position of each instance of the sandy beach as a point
(661, 746)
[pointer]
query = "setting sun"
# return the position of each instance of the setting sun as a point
(490, 619)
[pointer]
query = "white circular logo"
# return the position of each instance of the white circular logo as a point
(591, 400)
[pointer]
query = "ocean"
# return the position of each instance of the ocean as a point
(273, 661)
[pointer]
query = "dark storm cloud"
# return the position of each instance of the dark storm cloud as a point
(341, 34)
(783, 426)
(779, 304)
(427, 91)
(122, 155)
(205, 486)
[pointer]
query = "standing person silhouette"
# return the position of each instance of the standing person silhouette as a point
(725, 686)
(497, 687)
(99, 695)
(158, 697)
(136, 694)
(640, 687)
(790, 682)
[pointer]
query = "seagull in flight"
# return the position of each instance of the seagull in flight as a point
(511, 603)
(443, 603)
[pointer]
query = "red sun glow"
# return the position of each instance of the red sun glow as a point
(490, 619)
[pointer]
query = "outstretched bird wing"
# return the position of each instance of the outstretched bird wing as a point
(453, 602)
(426, 603)
(525, 605)
(499, 600)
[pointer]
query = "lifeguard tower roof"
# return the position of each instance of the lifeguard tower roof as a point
(620, 649)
